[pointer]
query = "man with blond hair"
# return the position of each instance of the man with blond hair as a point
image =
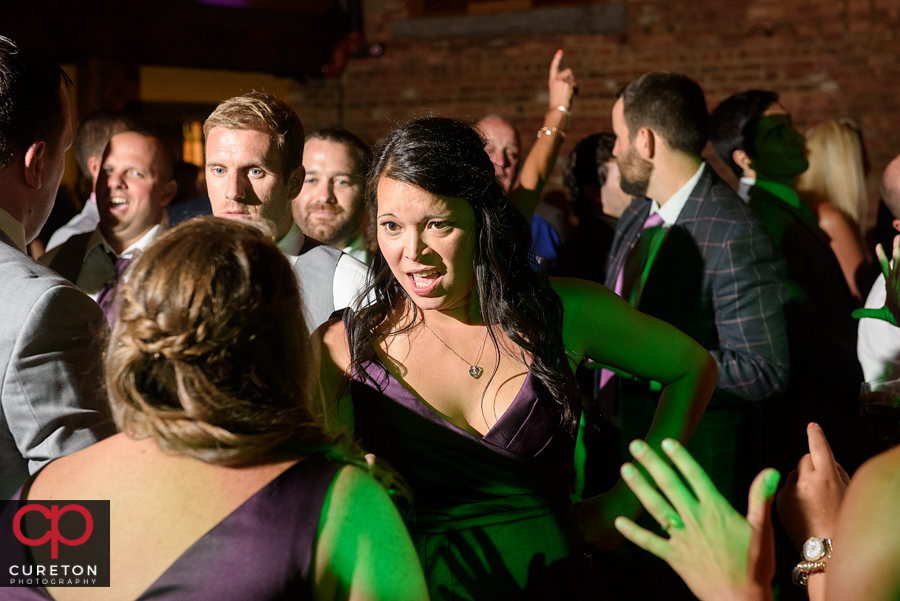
(254, 153)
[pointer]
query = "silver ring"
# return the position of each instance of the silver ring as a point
(672, 522)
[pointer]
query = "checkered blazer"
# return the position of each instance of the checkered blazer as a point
(718, 278)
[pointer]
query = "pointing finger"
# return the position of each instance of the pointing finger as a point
(819, 450)
(554, 64)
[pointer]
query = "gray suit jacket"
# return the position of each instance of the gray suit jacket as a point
(51, 398)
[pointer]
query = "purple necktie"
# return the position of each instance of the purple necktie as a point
(107, 297)
(653, 220)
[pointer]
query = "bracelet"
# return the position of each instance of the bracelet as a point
(815, 553)
(565, 111)
(800, 574)
(546, 131)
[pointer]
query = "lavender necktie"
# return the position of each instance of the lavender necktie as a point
(107, 297)
(653, 220)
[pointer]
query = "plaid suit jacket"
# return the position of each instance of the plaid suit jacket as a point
(718, 278)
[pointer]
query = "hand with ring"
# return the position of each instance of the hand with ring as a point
(717, 552)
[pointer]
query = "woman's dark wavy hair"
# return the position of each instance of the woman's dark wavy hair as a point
(447, 157)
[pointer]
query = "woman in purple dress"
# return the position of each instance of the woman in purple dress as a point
(461, 375)
(221, 484)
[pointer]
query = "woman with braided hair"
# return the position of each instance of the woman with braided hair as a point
(461, 375)
(222, 484)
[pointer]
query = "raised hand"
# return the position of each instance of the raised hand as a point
(717, 552)
(562, 84)
(809, 502)
(890, 312)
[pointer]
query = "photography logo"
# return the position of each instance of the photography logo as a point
(54, 543)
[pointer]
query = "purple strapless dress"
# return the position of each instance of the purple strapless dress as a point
(492, 516)
(263, 550)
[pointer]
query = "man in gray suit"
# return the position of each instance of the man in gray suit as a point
(254, 153)
(50, 332)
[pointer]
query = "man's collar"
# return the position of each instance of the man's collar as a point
(12, 228)
(671, 209)
(781, 191)
(292, 242)
(138, 247)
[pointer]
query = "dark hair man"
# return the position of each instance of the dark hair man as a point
(331, 206)
(50, 332)
(254, 151)
(688, 251)
(753, 134)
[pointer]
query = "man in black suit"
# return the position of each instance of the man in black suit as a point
(688, 251)
(753, 134)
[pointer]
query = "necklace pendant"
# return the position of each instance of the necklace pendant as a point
(475, 371)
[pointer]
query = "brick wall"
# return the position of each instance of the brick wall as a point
(827, 59)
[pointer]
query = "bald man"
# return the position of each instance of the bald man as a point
(134, 185)
(878, 344)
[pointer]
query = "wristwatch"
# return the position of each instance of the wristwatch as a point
(815, 553)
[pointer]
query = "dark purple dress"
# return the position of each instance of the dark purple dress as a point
(492, 516)
(263, 550)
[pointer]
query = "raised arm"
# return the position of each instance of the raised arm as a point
(542, 158)
(809, 503)
(601, 326)
(363, 552)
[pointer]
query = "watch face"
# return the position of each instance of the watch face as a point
(813, 549)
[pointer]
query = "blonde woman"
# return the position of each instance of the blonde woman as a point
(834, 189)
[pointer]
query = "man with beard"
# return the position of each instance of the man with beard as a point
(254, 167)
(331, 206)
(688, 251)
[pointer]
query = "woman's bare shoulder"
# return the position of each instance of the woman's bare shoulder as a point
(832, 217)
(331, 339)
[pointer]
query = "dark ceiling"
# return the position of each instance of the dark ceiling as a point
(283, 37)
